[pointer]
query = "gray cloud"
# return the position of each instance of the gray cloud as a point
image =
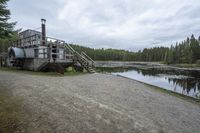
(124, 24)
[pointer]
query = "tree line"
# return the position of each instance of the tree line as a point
(7, 32)
(187, 51)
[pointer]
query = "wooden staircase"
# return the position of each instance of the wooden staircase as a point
(43, 66)
(85, 61)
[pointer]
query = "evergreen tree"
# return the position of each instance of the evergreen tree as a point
(6, 28)
(171, 55)
(194, 49)
(166, 57)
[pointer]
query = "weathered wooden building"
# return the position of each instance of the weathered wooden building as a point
(35, 51)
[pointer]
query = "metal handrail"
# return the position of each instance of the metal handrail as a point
(90, 59)
(72, 51)
(28, 39)
(70, 48)
(81, 58)
(33, 38)
(83, 55)
(55, 40)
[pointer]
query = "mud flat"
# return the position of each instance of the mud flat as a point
(97, 103)
(143, 65)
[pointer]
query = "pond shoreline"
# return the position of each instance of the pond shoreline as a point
(170, 92)
(180, 80)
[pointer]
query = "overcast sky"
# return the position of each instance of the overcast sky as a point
(121, 24)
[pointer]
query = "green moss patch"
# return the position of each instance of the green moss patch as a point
(11, 113)
(69, 72)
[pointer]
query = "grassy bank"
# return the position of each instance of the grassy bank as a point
(187, 65)
(162, 90)
(185, 97)
(67, 73)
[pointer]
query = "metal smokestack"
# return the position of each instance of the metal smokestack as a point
(43, 21)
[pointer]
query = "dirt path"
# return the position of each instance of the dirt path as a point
(98, 103)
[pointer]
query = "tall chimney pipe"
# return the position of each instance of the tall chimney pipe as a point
(43, 21)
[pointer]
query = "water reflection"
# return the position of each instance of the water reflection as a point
(187, 84)
(184, 82)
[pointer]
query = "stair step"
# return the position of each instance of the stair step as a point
(91, 71)
(82, 59)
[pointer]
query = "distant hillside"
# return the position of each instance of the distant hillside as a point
(187, 51)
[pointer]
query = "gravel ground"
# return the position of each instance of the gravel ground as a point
(98, 103)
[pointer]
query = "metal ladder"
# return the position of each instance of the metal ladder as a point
(85, 61)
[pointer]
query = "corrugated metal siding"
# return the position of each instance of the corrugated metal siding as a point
(29, 52)
(18, 52)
